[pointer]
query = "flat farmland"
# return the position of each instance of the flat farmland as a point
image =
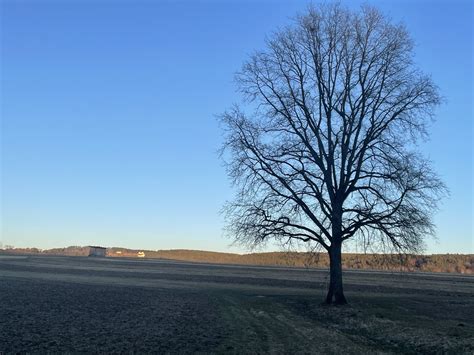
(80, 304)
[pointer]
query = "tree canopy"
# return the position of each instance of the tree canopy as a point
(325, 148)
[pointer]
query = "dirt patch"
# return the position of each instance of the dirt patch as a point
(51, 304)
(39, 316)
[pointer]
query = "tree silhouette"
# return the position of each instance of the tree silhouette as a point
(326, 150)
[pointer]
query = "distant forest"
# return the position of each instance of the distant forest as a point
(452, 263)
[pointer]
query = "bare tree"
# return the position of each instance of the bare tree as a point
(327, 150)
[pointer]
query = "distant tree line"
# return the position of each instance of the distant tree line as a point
(452, 263)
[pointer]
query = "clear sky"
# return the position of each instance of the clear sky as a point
(109, 134)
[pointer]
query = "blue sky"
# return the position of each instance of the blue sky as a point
(109, 134)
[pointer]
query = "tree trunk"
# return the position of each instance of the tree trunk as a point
(336, 291)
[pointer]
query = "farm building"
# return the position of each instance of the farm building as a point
(97, 251)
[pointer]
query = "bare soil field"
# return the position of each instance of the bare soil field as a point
(79, 304)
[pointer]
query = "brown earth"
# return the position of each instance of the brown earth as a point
(452, 263)
(80, 304)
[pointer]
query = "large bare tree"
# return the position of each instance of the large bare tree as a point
(325, 150)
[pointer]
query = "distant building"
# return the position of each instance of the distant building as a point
(141, 254)
(97, 251)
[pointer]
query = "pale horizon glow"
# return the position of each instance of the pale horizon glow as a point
(109, 133)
